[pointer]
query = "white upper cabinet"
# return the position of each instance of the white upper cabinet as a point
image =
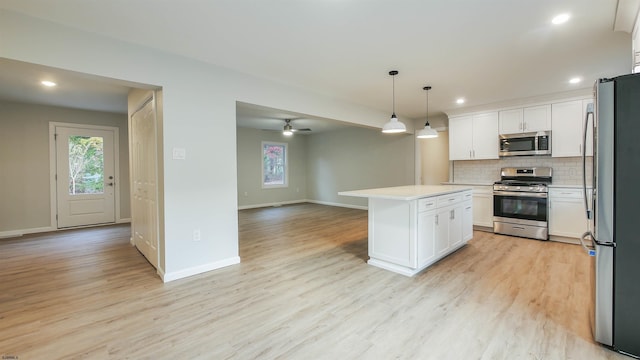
(537, 118)
(460, 137)
(567, 133)
(511, 121)
(473, 137)
(529, 119)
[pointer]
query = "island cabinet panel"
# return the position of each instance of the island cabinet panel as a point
(412, 227)
(392, 231)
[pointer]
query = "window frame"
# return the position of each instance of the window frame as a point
(285, 165)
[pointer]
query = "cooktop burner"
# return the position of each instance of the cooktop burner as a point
(520, 183)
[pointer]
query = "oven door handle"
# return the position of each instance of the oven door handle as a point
(520, 194)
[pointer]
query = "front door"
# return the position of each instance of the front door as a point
(85, 176)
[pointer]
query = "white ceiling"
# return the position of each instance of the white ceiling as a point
(485, 51)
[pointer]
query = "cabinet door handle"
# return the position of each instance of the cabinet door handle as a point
(580, 149)
(452, 214)
(437, 219)
(524, 126)
(468, 208)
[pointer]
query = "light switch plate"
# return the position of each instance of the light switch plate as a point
(179, 153)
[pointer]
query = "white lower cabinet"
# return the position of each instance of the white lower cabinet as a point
(445, 228)
(483, 206)
(467, 220)
(566, 212)
(408, 236)
(426, 237)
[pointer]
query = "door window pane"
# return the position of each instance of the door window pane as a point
(86, 165)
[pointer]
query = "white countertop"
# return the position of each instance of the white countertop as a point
(409, 192)
(469, 183)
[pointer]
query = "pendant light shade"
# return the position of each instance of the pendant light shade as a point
(394, 126)
(427, 132)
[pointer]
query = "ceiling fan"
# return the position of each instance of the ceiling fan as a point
(288, 129)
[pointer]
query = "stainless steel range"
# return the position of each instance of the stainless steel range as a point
(520, 202)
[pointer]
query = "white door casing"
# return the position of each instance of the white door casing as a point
(76, 205)
(144, 204)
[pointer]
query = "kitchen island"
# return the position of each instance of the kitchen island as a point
(412, 227)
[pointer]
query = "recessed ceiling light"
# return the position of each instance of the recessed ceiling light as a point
(560, 19)
(460, 101)
(575, 80)
(48, 83)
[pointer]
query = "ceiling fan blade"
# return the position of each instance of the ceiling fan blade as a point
(306, 129)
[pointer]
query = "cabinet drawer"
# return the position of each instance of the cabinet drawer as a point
(467, 195)
(450, 199)
(426, 204)
(566, 193)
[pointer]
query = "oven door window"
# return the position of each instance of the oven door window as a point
(520, 207)
(518, 144)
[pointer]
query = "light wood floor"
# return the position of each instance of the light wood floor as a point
(302, 291)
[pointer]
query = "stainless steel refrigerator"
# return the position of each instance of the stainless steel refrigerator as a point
(613, 207)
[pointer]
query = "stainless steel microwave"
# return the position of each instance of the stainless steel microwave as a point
(533, 143)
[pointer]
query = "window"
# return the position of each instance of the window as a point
(86, 165)
(274, 165)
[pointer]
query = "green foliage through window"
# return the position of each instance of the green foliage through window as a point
(86, 165)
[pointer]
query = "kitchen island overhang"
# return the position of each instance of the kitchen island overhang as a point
(412, 227)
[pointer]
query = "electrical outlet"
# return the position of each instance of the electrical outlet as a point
(196, 235)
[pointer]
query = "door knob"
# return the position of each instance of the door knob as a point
(110, 184)
(110, 177)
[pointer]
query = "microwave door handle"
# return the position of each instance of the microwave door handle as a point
(584, 160)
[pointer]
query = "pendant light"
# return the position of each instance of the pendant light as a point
(427, 132)
(394, 126)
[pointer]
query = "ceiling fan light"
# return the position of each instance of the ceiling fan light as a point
(288, 130)
(394, 126)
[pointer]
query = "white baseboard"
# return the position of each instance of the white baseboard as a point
(20, 232)
(359, 207)
(245, 207)
(255, 206)
(175, 275)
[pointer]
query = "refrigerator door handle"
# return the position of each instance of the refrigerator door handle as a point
(584, 161)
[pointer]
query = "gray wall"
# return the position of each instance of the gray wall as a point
(24, 160)
(323, 164)
(357, 158)
(250, 168)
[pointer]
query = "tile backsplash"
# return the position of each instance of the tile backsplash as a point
(566, 171)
